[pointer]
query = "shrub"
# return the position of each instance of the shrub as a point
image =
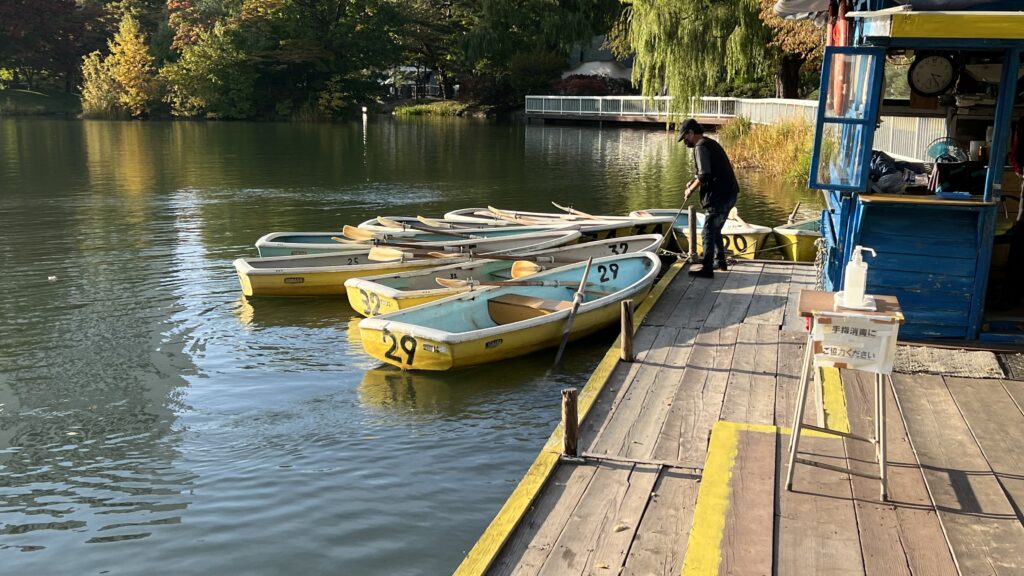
(212, 79)
(441, 108)
(782, 149)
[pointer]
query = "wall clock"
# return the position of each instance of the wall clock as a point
(932, 74)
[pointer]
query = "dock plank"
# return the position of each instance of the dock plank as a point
(734, 297)
(618, 528)
(698, 400)
(660, 543)
(768, 303)
(668, 303)
(696, 303)
(980, 524)
(612, 438)
(643, 431)
(573, 550)
(787, 378)
(998, 426)
(750, 393)
(747, 542)
(901, 536)
(531, 544)
(803, 278)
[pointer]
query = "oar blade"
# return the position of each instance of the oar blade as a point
(452, 282)
(389, 223)
(357, 233)
(523, 268)
(385, 254)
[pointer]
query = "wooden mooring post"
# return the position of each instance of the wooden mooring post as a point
(570, 423)
(691, 223)
(626, 337)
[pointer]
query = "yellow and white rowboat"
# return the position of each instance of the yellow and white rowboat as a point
(495, 323)
(797, 240)
(390, 292)
(741, 239)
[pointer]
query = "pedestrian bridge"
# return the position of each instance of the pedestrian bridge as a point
(903, 136)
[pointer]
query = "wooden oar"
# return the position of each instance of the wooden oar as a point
(388, 222)
(487, 256)
(792, 215)
(385, 254)
(435, 223)
(454, 283)
(573, 211)
(577, 299)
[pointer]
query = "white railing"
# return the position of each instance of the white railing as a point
(903, 136)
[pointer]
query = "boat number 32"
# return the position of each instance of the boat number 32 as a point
(371, 303)
(620, 248)
(604, 270)
(739, 241)
(406, 344)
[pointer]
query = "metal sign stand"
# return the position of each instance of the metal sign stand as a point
(849, 339)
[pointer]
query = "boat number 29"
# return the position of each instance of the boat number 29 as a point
(620, 248)
(604, 270)
(406, 343)
(371, 303)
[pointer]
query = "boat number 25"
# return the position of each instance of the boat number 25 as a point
(620, 248)
(371, 303)
(604, 270)
(406, 343)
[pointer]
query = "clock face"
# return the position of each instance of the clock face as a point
(931, 75)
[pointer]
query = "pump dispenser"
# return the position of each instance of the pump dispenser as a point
(855, 280)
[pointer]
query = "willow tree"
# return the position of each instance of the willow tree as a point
(684, 47)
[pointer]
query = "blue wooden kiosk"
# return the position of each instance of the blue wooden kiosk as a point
(935, 252)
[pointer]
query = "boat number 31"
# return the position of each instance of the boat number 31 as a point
(406, 344)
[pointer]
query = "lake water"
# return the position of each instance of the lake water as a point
(152, 421)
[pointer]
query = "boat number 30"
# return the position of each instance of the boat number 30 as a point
(739, 241)
(371, 302)
(406, 344)
(620, 248)
(604, 270)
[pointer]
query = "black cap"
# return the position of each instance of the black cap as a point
(689, 125)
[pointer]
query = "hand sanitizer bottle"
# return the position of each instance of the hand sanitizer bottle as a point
(855, 279)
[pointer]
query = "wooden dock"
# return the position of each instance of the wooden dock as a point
(685, 450)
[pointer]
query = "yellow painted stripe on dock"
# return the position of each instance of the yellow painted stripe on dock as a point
(486, 549)
(704, 550)
(833, 400)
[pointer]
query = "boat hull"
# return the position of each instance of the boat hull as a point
(307, 243)
(798, 241)
(287, 276)
(400, 340)
(387, 293)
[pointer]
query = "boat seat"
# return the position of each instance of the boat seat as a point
(508, 308)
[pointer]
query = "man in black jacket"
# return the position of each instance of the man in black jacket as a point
(718, 190)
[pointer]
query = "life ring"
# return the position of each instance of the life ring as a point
(839, 37)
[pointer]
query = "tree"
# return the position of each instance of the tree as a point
(797, 42)
(684, 47)
(126, 76)
(213, 78)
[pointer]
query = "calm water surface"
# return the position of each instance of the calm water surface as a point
(154, 422)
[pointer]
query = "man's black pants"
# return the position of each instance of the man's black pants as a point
(714, 247)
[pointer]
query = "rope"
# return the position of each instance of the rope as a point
(819, 264)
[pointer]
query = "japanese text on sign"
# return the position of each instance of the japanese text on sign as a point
(858, 342)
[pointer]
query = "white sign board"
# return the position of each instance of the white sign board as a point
(855, 341)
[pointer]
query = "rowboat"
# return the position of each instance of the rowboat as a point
(318, 274)
(741, 239)
(592, 227)
(491, 240)
(414, 222)
(391, 292)
(325, 274)
(495, 323)
(797, 240)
